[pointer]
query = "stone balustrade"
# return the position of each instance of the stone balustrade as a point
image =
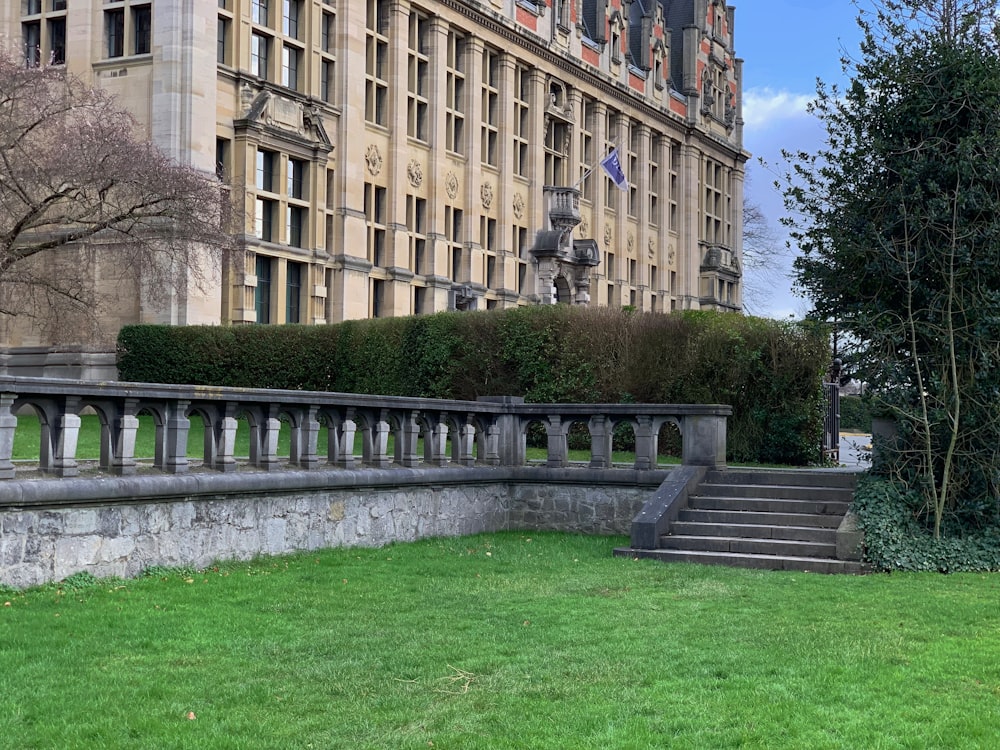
(491, 431)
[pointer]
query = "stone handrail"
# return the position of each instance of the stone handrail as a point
(490, 431)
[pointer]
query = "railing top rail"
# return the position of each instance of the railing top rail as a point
(26, 387)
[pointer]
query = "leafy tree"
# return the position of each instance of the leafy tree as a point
(85, 202)
(898, 221)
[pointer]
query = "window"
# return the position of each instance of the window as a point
(417, 83)
(522, 121)
(453, 240)
(377, 298)
(266, 161)
(293, 292)
(294, 225)
(375, 213)
(262, 294)
(259, 11)
(416, 225)
(32, 7)
(519, 246)
(222, 41)
(653, 180)
(716, 203)
(488, 241)
(589, 169)
(114, 33)
(57, 4)
(490, 127)
(290, 67)
(556, 139)
(635, 133)
(259, 48)
(376, 61)
(57, 41)
(674, 160)
(32, 33)
(455, 94)
(141, 28)
(264, 219)
(222, 149)
(296, 178)
(290, 18)
(610, 142)
(328, 41)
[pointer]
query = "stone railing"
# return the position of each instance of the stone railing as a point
(490, 431)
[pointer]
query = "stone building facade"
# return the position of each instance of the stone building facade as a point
(394, 157)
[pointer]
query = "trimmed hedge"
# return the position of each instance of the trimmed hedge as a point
(770, 372)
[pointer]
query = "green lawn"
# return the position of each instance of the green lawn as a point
(27, 438)
(501, 641)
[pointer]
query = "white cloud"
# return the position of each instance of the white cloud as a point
(763, 107)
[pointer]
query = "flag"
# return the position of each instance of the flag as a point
(613, 168)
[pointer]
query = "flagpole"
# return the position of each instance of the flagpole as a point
(590, 170)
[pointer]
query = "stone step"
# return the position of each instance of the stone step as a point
(777, 491)
(788, 477)
(777, 547)
(756, 531)
(765, 518)
(768, 505)
(745, 560)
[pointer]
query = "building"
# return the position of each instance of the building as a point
(398, 157)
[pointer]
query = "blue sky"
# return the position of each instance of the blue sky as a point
(785, 46)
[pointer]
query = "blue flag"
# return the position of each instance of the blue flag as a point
(612, 167)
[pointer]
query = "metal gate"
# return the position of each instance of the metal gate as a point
(831, 422)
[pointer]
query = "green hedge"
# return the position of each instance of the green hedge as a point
(769, 371)
(855, 414)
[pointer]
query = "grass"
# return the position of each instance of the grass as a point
(27, 439)
(501, 641)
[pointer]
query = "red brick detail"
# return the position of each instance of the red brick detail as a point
(678, 107)
(590, 56)
(636, 82)
(526, 18)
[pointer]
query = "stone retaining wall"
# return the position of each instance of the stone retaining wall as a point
(197, 520)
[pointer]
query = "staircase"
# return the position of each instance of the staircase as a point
(772, 519)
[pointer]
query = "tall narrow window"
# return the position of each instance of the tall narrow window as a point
(416, 224)
(262, 294)
(610, 143)
(222, 41)
(57, 41)
(141, 29)
(259, 48)
(455, 94)
(653, 180)
(292, 9)
(290, 66)
(266, 161)
(376, 61)
(453, 240)
(259, 11)
(375, 213)
(556, 137)
(522, 120)
(417, 83)
(673, 185)
(32, 33)
(114, 33)
(589, 170)
(328, 48)
(635, 131)
(293, 292)
(490, 127)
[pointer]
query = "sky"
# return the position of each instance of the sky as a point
(785, 46)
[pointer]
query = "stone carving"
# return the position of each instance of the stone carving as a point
(451, 185)
(670, 254)
(630, 243)
(518, 205)
(414, 173)
(486, 194)
(651, 247)
(584, 229)
(373, 158)
(607, 234)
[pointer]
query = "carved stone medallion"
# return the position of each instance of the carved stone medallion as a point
(373, 158)
(607, 234)
(414, 173)
(486, 193)
(451, 185)
(518, 205)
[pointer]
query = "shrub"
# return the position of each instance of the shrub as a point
(768, 371)
(896, 539)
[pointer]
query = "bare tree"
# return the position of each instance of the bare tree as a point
(86, 203)
(761, 250)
